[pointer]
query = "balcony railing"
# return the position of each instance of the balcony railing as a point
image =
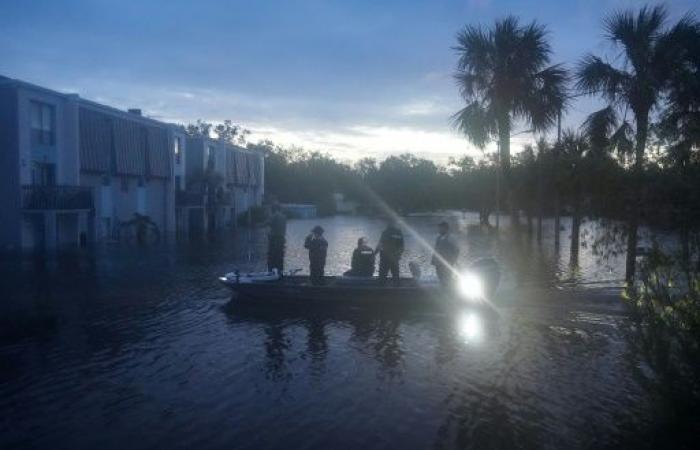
(56, 197)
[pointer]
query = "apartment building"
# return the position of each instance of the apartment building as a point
(74, 172)
(223, 181)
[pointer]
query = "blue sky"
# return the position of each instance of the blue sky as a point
(354, 78)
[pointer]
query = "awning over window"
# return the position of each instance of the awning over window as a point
(95, 141)
(241, 169)
(158, 154)
(254, 169)
(129, 148)
(135, 148)
(231, 166)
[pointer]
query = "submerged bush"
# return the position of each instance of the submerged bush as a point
(665, 307)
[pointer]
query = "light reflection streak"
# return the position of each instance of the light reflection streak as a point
(389, 212)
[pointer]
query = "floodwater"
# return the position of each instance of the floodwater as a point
(140, 348)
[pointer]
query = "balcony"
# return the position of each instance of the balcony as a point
(189, 198)
(38, 197)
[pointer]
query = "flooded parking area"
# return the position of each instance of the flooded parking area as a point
(142, 348)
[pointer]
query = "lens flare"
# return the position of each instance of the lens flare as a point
(470, 326)
(470, 287)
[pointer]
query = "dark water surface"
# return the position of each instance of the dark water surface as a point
(141, 348)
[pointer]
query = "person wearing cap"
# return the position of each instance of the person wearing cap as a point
(390, 249)
(362, 264)
(445, 255)
(317, 246)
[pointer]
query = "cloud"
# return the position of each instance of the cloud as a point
(354, 143)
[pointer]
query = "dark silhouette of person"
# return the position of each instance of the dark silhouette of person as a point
(276, 239)
(390, 249)
(317, 246)
(445, 255)
(362, 264)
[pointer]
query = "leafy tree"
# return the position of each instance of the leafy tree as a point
(226, 131)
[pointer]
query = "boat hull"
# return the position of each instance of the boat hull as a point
(299, 289)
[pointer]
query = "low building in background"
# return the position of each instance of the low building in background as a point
(343, 205)
(74, 172)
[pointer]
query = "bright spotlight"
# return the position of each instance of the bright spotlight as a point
(470, 287)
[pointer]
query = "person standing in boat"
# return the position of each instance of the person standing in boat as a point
(445, 254)
(276, 239)
(317, 246)
(362, 264)
(390, 249)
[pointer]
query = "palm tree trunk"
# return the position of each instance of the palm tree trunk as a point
(642, 121)
(504, 146)
(557, 219)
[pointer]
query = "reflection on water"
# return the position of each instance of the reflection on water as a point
(141, 348)
(470, 326)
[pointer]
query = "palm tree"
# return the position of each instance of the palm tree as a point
(650, 52)
(504, 78)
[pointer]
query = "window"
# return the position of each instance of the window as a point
(177, 149)
(43, 123)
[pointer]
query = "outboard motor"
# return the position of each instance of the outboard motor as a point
(488, 270)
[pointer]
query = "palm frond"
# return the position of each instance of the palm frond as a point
(475, 49)
(636, 34)
(598, 127)
(594, 76)
(476, 122)
(533, 50)
(471, 85)
(547, 97)
(678, 49)
(622, 139)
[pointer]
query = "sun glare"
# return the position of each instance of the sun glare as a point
(470, 287)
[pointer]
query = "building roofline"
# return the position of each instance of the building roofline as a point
(13, 82)
(124, 114)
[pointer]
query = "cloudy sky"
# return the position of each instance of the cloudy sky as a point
(354, 78)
